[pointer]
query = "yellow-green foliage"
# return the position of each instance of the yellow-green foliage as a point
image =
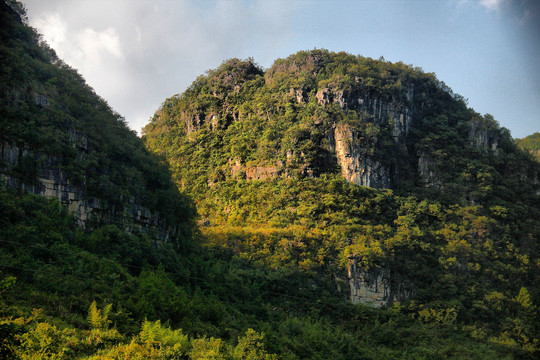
(446, 316)
(209, 349)
(524, 299)
(153, 342)
(480, 264)
(99, 318)
(154, 333)
(42, 340)
(531, 144)
(251, 347)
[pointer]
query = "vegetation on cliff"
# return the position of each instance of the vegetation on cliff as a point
(238, 122)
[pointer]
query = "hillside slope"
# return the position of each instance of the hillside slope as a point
(60, 139)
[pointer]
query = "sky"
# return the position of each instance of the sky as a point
(137, 53)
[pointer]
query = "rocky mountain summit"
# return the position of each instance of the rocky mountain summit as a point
(379, 124)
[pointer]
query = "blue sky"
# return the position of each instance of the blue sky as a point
(137, 53)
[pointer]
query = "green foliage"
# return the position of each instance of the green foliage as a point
(530, 144)
(154, 332)
(99, 318)
(8, 329)
(446, 316)
(209, 349)
(524, 299)
(6, 283)
(220, 297)
(251, 347)
(45, 341)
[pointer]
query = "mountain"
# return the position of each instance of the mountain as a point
(531, 144)
(372, 173)
(294, 256)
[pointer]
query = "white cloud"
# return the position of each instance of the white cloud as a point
(493, 5)
(52, 28)
(78, 47)
(94, 45)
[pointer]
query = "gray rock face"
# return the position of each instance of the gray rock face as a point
(379, 109)
(40, 99)
(430, 177)
(355, 167)
(53, 182)
(193, 123)
(323, 97)
(300, 95)
(484, 134)
(376, 287)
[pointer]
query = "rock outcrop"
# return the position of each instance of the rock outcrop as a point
(376, 287)
(484, 134)
(51, 181)
(355, 166)
(429, 176)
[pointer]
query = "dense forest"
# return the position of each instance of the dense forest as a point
(253, 205)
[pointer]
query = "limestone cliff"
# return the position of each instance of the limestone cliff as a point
(355, 166)
(484, 134)
(316, 113)
(316, 117)
(371, 122)
(377, 286)
(51, 181)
